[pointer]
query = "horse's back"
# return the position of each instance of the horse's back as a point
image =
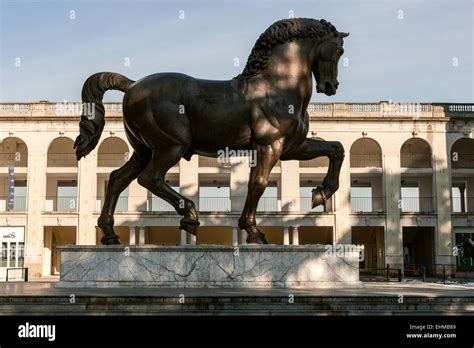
(151, 109)
(208, 114)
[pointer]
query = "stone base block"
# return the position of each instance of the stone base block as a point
(208, 266)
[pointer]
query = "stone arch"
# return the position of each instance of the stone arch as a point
(13, 152)
(415, 153)
(113, 152)
(61, 153)
(462, 153)
(366, 152)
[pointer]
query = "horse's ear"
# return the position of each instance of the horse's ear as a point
(342, 35)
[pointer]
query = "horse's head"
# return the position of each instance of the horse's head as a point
(327, 56)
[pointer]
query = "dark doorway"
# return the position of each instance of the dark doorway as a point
(418, 250)
(372, 238)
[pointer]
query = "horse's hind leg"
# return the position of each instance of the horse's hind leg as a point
(119, 179)
(153, 178)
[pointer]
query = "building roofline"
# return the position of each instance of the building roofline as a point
(386, 109)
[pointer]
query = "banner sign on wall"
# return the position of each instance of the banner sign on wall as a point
(11, 188)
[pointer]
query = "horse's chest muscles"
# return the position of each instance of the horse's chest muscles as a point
(268, 125)
(296, 135)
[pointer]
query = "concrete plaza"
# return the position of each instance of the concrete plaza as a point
(40, 297)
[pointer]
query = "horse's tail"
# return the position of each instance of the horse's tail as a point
(93, 111)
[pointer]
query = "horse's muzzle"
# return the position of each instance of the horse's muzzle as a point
(328, 88)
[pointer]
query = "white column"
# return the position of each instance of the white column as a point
(239, 177)
(286, 236)
(444, 240)
(48, 238)
(290, 186)
(189, 179)
(243, 237)
(137, 197)
(393, 232)
(295, 238)
(235, 236)
(470, 194)
(342, 204)
(184, 236)
(141, 239)
(86, 200)
(132, 235)
(192, 239)
(426, 193)
(34, 237)
(377, 194)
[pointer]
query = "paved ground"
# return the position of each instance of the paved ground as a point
(428, 290)
(40, 298)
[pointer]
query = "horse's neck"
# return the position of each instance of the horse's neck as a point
(289, 68)
(293, 56)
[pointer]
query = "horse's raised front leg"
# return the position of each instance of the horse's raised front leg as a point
(267, 156)
(312, 148)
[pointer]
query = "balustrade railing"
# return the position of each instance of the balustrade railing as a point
(158, 204)
(322, 109)
(19, 203)
(63, 203)
(214, 204)
(268, 204)
(121, 206)
(367, 204)
(417, 205)
(306, 205)
(459, 207)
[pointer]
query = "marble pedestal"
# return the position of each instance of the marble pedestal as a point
(208, 266)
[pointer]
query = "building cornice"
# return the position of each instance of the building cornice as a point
(341, 111)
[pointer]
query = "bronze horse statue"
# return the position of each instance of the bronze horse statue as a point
(169, 116)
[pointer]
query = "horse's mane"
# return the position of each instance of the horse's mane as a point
(278, 33)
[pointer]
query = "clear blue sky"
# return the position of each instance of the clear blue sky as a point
(409, 59)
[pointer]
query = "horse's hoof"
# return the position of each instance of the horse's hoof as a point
(319, 197)
(256, 238)
(189, 225)
(110, 240)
